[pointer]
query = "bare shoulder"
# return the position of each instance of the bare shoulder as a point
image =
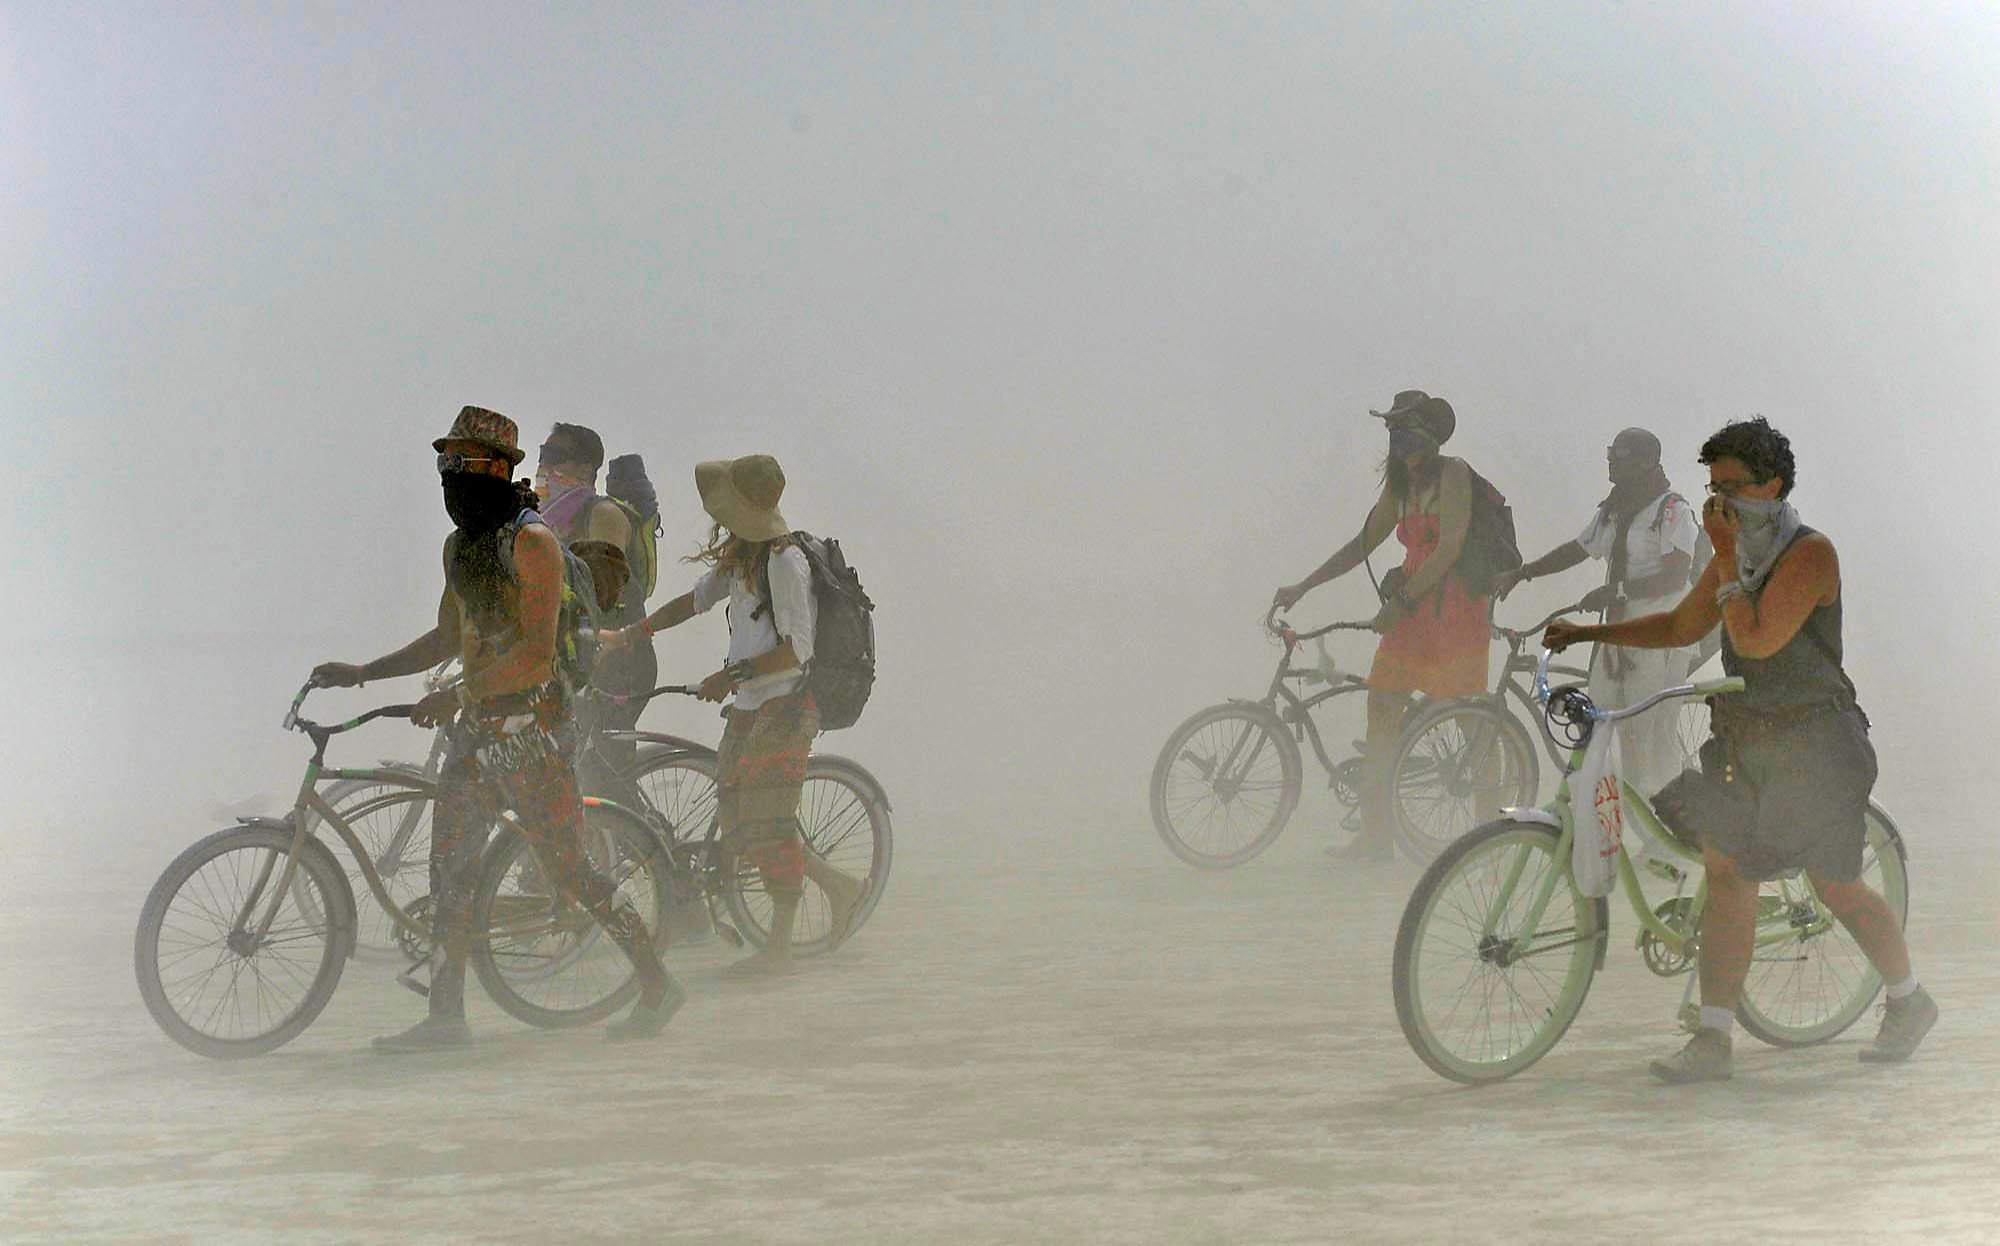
(535, 545)
(1819, 560)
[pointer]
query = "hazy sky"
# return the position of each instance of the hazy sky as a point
(1064, 317)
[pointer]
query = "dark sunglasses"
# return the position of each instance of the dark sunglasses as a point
(455, 461)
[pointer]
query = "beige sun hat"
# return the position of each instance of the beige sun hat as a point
(742, 495)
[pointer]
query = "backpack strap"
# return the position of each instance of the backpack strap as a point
(764, 603)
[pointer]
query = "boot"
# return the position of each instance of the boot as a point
(776, 958)
(1704, 1059)
(445, 1027)
(645, 1021)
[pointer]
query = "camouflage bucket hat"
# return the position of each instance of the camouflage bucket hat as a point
(742, 495)
(486, 428)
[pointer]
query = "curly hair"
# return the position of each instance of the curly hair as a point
(1759, 447)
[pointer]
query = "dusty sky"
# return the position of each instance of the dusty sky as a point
(1064, 318)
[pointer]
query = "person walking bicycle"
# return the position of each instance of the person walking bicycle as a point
(508, 610)
(1785, 779)
(756, 566)
(1645, 534)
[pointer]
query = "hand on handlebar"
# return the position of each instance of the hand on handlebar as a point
(436, 709)
(1561, 634)
(1287, 597)
(337, 675)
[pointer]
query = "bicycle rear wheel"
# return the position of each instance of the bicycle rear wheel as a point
(1478, 998)
(842, 822)
(1813, 984)
(1456, 766)
(1225, 785)
(542, 957)
(215, 987)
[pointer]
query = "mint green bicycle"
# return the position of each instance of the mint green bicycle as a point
(1497, 947)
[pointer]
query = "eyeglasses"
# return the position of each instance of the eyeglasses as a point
(455, 461)
(1729, 488)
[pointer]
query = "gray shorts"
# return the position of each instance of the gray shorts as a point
(1786, 799)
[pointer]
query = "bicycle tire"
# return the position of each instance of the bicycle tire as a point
(1435, 791)
(587, 973)
(1589, 920)
(1181, 762)
(829, 822)
(1775, 1007)
(180, 1004)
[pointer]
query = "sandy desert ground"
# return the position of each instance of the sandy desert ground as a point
(1062, 1035)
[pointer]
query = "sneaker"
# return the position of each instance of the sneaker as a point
(1704, 1059)
(644, 1022)
(430, 1034)
(1905, 1021)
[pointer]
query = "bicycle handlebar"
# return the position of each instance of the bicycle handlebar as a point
(1707, 688)
(294, 723)
(1529, 633)
(627, 698)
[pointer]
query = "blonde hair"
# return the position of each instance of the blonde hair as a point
(732, 555)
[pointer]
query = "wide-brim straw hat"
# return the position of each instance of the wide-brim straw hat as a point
(485, 428)
(742, 495)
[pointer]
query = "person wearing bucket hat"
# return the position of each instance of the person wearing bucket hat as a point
(1433, 624)
(769, 729)
(510, 734)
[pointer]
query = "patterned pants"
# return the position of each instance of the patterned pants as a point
(761, 771)
(527, 772)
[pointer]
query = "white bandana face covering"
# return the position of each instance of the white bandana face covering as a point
(1765, 529)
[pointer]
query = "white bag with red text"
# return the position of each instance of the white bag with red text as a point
(1597, 806)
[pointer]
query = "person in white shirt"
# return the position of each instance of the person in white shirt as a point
(1645, 533)
(766, 580)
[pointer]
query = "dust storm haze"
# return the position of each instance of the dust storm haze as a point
(1066, 320)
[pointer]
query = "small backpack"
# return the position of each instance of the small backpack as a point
(842, 671)
(1491, 548)
(626, 483)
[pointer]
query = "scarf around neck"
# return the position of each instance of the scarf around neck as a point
(562, 510)
(1758, 547)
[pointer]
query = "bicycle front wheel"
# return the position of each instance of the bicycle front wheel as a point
(843, 824)
(216, 986)
(1814, 982)
(1479, 997)
(1225, 785)
(1455, 767)
(540, 955)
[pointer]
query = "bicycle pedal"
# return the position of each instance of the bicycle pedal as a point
(407, 978)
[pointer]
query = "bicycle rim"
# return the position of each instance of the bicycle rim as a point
(1225, 785)
(1466, 1013)
(841, 823)
(1456, 769)
(1814, 984)
(214, 988)
(543, 957)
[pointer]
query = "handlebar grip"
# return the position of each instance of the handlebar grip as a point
(1720, 687)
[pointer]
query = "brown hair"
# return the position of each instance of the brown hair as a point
(733, 556)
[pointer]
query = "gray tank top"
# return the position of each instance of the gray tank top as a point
(1807, 671)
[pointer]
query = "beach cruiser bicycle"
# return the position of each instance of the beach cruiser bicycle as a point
(243, 939)
(1497, 948)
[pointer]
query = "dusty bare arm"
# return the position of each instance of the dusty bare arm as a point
(1807, 577)
(421, 654)
(1694, 618)
(1375, 529)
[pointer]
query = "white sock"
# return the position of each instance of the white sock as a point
(1723, 1019)
(1904, 989)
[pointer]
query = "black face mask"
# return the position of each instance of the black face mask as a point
(1406, 442)
(477, 502)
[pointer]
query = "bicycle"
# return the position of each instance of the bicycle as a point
(844, 818)
(1497, 948)
(1459, 761)
(840, 798)
(243, 939)
(1243, 756)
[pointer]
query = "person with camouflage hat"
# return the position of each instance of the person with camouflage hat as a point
(509, 724)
